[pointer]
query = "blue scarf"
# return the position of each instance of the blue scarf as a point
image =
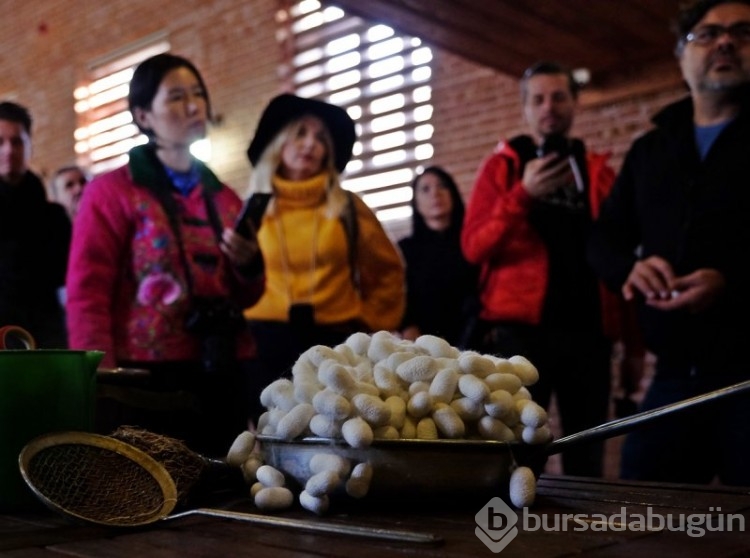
(184, 181)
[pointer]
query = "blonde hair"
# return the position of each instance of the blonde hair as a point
(269, 162)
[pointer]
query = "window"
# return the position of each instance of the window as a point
(382, 79)
(106, 131)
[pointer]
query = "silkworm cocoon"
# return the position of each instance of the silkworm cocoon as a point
(336, 377)
(512, 417)
(500, 380)
(522, 487)
(365, 387)
(319, 353)
(398, 411)
(387, 380)
(468, 409)
(241, 448)
(532, 414)
(421, 368)
(416, 387)
(448, 422)
(346, 351)
(322, 483)
(362, 371)
(295, 422)
(357, 432)
(330, 462)
(517, 431)
(372, 409)
(279, 393)
(539, 435)
(473, 388)
(444, 385)
(499, 404)
(303, 370)
(526, 371)
(381, 347)
(420, 404)
(359, 342)
(325, 427)
(269, 476)
(331, 404)
(274, 498)
(490, 428)
(305, 391)
(358, 484)
(522, 393)
(274, 416)
(250, 468)
(255, 488)
(262, 421)
(503, 366)
(426, 429)
(316, 504)
(435, 346)
(409, 429)
(396, 359)
(386, 432)
(475, 364)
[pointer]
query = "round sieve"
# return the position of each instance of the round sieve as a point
(97, 479)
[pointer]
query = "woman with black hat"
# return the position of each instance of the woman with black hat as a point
(331, 268)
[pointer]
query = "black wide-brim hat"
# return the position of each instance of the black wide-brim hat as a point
(286, 107)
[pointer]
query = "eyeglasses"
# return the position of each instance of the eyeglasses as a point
(708, 34)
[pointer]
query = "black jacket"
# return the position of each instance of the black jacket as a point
(695, 214)
(34, 243)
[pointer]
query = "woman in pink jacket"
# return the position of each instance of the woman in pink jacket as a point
(157, 274)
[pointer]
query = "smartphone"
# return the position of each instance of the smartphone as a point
(252, 212)
(554, 143)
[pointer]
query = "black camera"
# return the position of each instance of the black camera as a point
(216, 321)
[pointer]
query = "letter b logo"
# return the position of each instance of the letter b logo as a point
(496, 525)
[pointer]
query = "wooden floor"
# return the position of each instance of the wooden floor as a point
(613, 445)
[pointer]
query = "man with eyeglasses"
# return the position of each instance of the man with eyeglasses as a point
(674, 235)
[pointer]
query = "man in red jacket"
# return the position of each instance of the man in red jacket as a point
(527, 225)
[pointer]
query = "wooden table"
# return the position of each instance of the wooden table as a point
(45, 535)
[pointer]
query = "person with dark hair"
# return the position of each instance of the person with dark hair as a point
(440, 283)
(332, 270)
(158, 276)
(672, 236)
(527, 225)
(34, 238)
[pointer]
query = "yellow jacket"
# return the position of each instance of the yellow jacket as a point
(306, 255)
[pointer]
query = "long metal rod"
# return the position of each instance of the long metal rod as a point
(627, 424)
(317, 526)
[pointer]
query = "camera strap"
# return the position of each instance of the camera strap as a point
(163, 189)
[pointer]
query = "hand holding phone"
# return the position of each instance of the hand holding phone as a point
(252, 213)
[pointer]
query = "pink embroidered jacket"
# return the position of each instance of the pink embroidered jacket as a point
(127, 292)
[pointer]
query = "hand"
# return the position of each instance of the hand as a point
(241, 251)
(546, 174)
(411, 333)
(694, 292)
(651, 277)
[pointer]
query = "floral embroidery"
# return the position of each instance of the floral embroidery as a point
(158, 287)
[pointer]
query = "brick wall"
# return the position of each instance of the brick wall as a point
(46, 47)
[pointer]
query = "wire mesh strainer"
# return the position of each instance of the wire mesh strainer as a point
(97, 479)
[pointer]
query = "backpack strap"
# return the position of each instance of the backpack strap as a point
(351, 228)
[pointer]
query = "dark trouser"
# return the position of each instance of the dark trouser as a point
(180, 400)
(575, 366)
(693, 446)
(279, 345)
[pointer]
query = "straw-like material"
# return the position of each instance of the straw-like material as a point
(184, 465)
